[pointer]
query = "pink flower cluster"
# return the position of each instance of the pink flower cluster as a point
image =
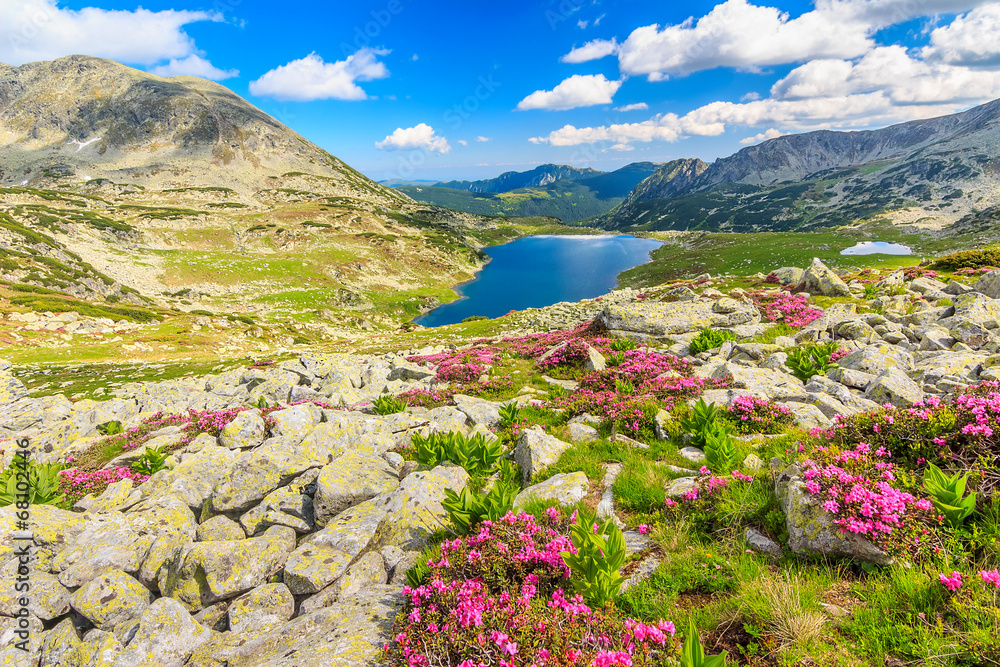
(498, 598)
(77, 483)
(753, 414)
(990, 577)
(793, 310)
(856, 486)
(951, 581)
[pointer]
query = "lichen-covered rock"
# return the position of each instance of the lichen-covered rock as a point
(207, 572)
(536, 450)
(104, 544)
(60, 644)
(808, 415)
(658, 321)
(347, 634)
(350, 479)
(789, 275)
(478, 410)
(48, 600)
(356, 433)
(194, 478)
(259, 472)
(894, 386)
(11, 389)
(818, 279)
(762, 544)
(314, 566)
(566, 488)
(244, 432)
(810, 527)
(294, 423)
(220, 529)
(981, 309)
(167, 636)
(972, 334)
(112, 598)
(367, 572)
(676, 488)
(114, 498)
(875, 359)
(152, 573)
(989, 284)
(579, 432)
(262, 609)
(762, 382)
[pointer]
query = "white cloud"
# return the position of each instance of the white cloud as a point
(415, 57)
(194, 65)
(623, 147)
(582, 24)
(969, 40)
(311, 78)
(463, 142)
(41, 30)
(579, 90)
(592, 50)
(417, 137)
(638, 106)
(481, 139)
(745, 36)
(763, 136)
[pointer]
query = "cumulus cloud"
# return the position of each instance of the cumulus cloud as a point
(763, 136)
(638, 106)
(592, 50)
(311, 78)
(745, 36)
(417, 137)
(579, 90)
(41, 30)
(463, 142)
(968, 40)
(481, 139)
(194, 65)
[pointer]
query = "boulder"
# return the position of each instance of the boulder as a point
(762, 544)
(261, 610)
(581, 432)
(244, 432)
(789, 275)
(818, 279)
(294, 423)
(220, 529)
(565, 488)
(166, 636)
(977, 308)
(760, 381)
(351, 479)
(676, 488)
(367, 572)
(536, 450)
(111, 598)
(875, 359)
(48, 600)
(658, 321)
(206, 572)
(259, 472)
(11, 389)
(989, 284)
(478, 410)
(894, 386)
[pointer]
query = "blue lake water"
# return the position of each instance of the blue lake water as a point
(876, 248)
(538, 271)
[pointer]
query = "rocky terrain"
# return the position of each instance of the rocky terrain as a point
(285, 519)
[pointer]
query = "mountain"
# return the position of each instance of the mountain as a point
(576, 195)
(127, 195)
(934, 171)
(514, 180)
(89, 118)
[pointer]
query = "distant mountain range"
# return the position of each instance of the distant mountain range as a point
(561, 191)
(929, 172)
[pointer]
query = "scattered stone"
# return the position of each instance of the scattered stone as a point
(536, 450)
(566, 488)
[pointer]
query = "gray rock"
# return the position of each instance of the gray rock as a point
(789, 275)
(894, 386)
(349, 480)
(762, 544)
(582, 432)
(244, 432)
(294, 423)
(478, 410)
(262, 609)
(111, 598)
(676, 488)
(658, 321)
(167, 636)
(693, 454)
(978, 308)
(595, 361)
(989, 284)
(808, 415)
(536, 450)
(220, 529)
(818, 279)
(566, 488)
(875, 359)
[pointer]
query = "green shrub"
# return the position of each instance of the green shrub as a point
(704, 421)
(969, 259)
(596, 565)
(947, 495)
(152, 461)
(478, 456)
(110, 428)
(388, 405)
(43, 483)
(468, 509)
(622, 344)
(721, 454)
(509, 413)
(709, 339)
(811, 359)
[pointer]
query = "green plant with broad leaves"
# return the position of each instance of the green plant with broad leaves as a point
(693, 654)
(811, 359)
(509, 413)
(615, 359)
(705, 420)
(110, 428)
(596, 565)
(416, 576)
(622, 344)
(468, 509)
(43, 483)
(721, 453)
(388, 405)
(261, 403)
(709, 339)
(624, 387)
(152, 461)
(477, 455)
(947, 493)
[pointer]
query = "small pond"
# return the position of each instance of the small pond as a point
(876, 248)
(538, 271)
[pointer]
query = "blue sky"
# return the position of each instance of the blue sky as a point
(441, 90)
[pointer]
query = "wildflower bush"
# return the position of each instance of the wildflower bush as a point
(864, 493)
(721, 503)
(780, 306)
(750, 414)
(76, 483)
(500, 598)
